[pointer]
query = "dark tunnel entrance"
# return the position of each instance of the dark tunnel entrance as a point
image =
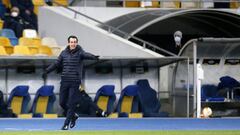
(158, 26)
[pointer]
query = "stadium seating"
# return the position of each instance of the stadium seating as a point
(37, 4)
(171, 4)
(18, 101)
(62, 2)
(132, 3)
(24, 51)
(234, 4)
(43, 102)
(5, 42)
(30, 41)
(34, 46)
(190, 4)
(150, 4)
(52, 43)
(30, 33)
(44, 51)
(3, 51)
(105, 98)
(1, 24)
(149, 103)
(9, 33)
(129, 103)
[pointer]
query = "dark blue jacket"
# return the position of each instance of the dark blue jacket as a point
(71, 63)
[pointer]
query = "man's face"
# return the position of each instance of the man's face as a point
(72, 43)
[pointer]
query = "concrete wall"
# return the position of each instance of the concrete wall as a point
(91, 37)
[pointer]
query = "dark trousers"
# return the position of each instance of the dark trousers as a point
(82, 105)
(67, 90)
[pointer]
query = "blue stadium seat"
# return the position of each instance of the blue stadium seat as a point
(19, 99)
(209, 93)
(129, 102)
(105, 98)
(9, 33)
(149, 102)
(43, 102)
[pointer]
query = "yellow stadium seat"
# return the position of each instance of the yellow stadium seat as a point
(43, 102)
(132, 3)
(44, 50)
(9, 49)
(37, 4)
(30, 33)
(1, 24)
(6, 3)
(3, 51)
(190, 4)
(51, 42)
(18, 101)
(56, 51)
(129, 102)
(175, 4)
(102, 102)
(30, 41)
(5, 42)
(24, 50)
(62, 2)
(234, 4)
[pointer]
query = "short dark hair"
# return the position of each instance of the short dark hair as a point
(72, 37)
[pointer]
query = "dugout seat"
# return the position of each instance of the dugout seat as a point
(209, 93)
(18, 101)
(105, 98)
(149, 102)
(43, 102)
(129, 102)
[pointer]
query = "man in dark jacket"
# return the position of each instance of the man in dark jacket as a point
(70, 61)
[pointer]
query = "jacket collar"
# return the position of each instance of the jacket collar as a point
(74, 50)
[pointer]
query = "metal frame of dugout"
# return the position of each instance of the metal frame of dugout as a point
(197, 50)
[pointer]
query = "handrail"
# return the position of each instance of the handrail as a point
(110, 29)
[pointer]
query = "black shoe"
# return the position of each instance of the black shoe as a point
(73, 122)
(65, 127)
(49, 3)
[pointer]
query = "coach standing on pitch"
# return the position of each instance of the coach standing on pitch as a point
(70, 61)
